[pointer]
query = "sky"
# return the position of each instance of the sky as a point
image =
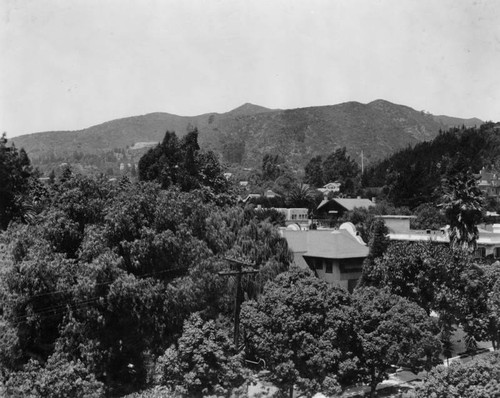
(71, 64)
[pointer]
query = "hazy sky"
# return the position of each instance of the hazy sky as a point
(70, 64)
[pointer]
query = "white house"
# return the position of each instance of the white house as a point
(335, 256)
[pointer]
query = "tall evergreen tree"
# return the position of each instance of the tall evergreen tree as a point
(462, 202)
(15, 173)
(314, 172)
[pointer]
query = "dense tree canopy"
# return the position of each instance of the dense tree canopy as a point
(338, 166)
(392, 331)
(15, 177)
(109, 274)
(477, 378)
(413, 175)
(302, 329)
(182, 163)
(203, 362)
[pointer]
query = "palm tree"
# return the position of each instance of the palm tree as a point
(300, 195)
(462, 203)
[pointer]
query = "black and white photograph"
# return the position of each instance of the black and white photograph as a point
(250, 198)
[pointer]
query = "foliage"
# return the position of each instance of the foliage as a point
(271, 167)
(300, 195)
(440, 279)
(462, 203)
(15, 175)
(59, 378)
(302, 329)
(181, 163)
(410, 270)
(314, 172)
(413, 176)
(477, 378)
(204, 360)
(111, 271)
(378, 244)
(428, 216)
(392, 331)
(338, 166)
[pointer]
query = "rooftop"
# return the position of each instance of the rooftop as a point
(349, 204)
(334, 244)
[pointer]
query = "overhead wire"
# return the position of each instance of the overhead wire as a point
(62, 308)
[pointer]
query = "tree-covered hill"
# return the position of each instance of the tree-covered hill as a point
(412, 176)
(242, 136)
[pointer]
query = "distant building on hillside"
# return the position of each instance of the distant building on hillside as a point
(332, 187)
(489, 183)
(270, 194)
(335, 256)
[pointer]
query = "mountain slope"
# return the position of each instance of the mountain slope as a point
(246, 133)
(457, 122)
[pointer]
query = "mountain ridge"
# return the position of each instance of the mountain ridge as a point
(244, 134)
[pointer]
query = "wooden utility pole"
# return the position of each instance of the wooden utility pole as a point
(238, 292)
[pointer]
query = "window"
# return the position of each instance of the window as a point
(329, 266)
(294, 216)
(318, 263)
(481, 252)
(497, 252)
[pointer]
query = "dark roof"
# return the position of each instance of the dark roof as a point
(348, 204)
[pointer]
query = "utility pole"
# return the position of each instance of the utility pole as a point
(238, 293)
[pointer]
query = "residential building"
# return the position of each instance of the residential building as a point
(489, 183)
(338, 206)
(332, 187)
(270, 194)
(488, 242)
(298, 217)
(335, 256)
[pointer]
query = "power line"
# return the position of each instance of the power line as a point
(61, 308)
(105, 283)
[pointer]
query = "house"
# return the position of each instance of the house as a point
(330, 187)
(335, 256)
(488, 242)
(338, 206)
(489, 183)
(270, 194)
(298, 217)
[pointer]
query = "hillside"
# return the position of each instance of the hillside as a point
(457, 122)
(242, 136)
(413, 175)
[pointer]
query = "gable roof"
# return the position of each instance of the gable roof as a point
(350, 204)
(347, 204)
